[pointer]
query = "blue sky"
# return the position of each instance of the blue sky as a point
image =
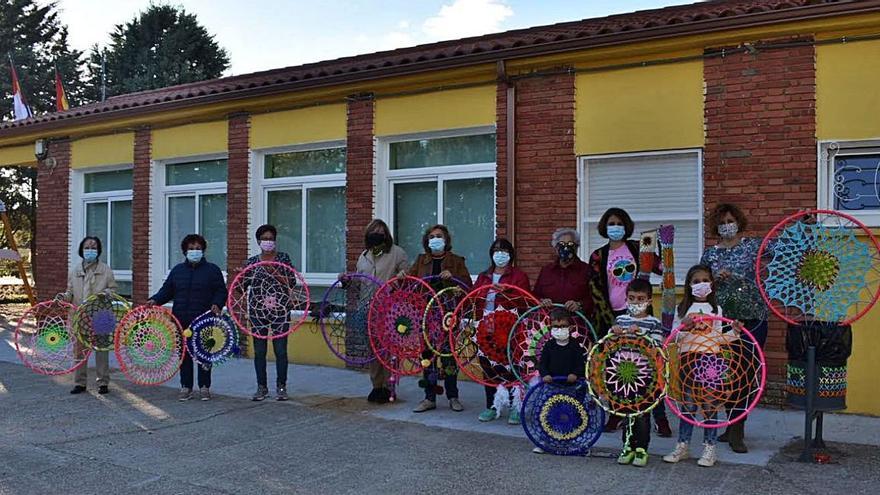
(266, 34)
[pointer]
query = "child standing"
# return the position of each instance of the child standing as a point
(637, 321)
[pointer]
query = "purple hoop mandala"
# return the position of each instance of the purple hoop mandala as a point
(344, 317)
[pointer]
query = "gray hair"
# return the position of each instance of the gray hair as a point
(565, 231)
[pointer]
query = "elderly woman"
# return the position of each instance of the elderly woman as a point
(439, 260)
(732, 261)
(567, 279)
(87, 279)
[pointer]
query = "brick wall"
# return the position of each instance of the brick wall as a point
(237, 193)
(141, 214)
(53, 221)
(359, 174)
(501, 214)
(760, 153)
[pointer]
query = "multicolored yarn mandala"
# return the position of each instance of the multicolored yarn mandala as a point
(149, 345)
(439, 313)
(268, 300)
(627, 374)
(716, 372)
(45, 341)
(395, 324)
(819, 265)
(95, 320)
(534, 325)
(213, 339)
(561, 418)
(344, 317)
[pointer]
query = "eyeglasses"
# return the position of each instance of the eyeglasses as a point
(568, 245)
(619, 271)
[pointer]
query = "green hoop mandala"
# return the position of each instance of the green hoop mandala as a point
(627, 374)
(534, 327)
(45, 342)
(95, 320)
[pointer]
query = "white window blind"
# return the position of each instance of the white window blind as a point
(654, 189)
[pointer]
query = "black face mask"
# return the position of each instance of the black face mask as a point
(375, 239)
(566, 251)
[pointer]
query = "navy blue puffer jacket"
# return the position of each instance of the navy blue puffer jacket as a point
(193, 288)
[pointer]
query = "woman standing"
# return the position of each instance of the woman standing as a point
(732, 261)
(195, 286)
(87, 279)
(439, 260)
(266, 236)
(567, 279)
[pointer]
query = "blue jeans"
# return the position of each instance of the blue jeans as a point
(261, 348)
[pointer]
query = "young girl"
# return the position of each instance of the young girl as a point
(703, 338)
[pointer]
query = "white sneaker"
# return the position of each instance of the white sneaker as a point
(680, 453)
(709, 457)
(538, 450)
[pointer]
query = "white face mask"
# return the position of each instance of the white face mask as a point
(560, 334)
(267, 246)
(728, 230)
(436, 244)
(702, 289)
(636, 309)
(194, 255)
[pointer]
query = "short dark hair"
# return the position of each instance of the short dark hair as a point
(378, 222)
(558, 313)
(500, 244)
(723, 209)
(191, 238)
(628, 224)
(640, 286)
(445, 231)
(262, 229)
(90, 238)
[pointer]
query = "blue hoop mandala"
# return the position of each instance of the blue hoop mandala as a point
(562, 418)
(213, 339)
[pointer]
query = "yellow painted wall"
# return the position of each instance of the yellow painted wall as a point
(305, 125)
(112, 149)
(847, 97)
(864, 366)
(17, 155)
(640, 109)
(469, 107)
(306, 346)
(188, 140)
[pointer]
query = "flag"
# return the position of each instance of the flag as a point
(19, 104)
(60, 97)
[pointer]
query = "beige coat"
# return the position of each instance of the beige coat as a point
(384, 266)
(84, 282)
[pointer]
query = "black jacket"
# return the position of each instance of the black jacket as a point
(557, 360)
(193, 288)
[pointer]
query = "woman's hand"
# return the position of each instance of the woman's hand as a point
(446, 275)
(150, 303)
(548, 379)
(215, 309)
(401, 275)
(546, 303)
(572, 378)
(572, 306)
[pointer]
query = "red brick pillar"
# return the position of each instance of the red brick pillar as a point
(359, 173)
(760, 153)
(141, 214)
(52, 259)
(238, 193)
(546, 166)
(501, 212)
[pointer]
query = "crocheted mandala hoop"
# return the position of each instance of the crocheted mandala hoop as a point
(627, 374)
(561, 418)
(268, 300)
(213, 339)
(45, 341)
(440, 312)
(395, 324)
(95, 320)
(149, 345)
(534, 324)
(344, 317)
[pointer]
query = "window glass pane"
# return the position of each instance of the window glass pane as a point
(117, 180)
(415, 209)
(120, 235)
(856, 184)
(181, 222)
(195, 172)
(438, 152)
(325, 233)
(212, 226)
(96, 224)
(300, 163)
(469, 212)
(285, 213)
(123, 288)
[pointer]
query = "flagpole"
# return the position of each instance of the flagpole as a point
(103, 76)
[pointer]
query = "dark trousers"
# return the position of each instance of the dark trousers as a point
(450, 381)
(186, 373)
(261, 348)
(640, 436)
(659, 411)
(490, 396)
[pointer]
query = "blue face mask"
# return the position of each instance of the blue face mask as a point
(616, 232)
(501, 258)
(90, 255)
(194, 255)
(436, 244)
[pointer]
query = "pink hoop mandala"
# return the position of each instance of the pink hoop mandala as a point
(45, 341)
(395, 326)
(534, 324)
(268, 300)
(149, 345)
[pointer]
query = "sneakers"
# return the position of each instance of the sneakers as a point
(626, 457)
(538, 450)
(641, 458)
(261, 393)
(680, 453)
(455, 405)
(663, 429)
(709, 457)
(488, 415)
(103, 390)
(281, 393)
(185, 394)
(513, 418)
(205, 393)
(78, 390)
(426, 405)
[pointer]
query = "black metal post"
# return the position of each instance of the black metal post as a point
(810, 386)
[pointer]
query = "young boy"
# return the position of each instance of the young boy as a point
(637, 321)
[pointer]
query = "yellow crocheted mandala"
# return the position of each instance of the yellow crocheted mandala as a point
(550, 429)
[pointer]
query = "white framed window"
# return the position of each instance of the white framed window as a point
(654, 188)
(191, 199)
(301, 191)
(445, 177)
(103, 208)
(849, 179)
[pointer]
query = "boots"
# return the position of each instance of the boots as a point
(735, 435)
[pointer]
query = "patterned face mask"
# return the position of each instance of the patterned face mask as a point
(636, 309)
(728, 230)
(566, 250)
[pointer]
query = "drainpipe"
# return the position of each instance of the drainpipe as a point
(510, 151)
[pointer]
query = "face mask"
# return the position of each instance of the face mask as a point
(375, 239)
(560, 334)
(194, 255)
(267, 246)
(616, 232)
(565, 251)
(636, 309)
(728, 230)
(436, 244)
(501, 258)
(90, 254)
(702, 289)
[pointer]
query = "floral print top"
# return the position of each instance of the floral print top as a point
(737, 294)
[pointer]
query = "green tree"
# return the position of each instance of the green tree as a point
(162, 46)
(32, 33)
